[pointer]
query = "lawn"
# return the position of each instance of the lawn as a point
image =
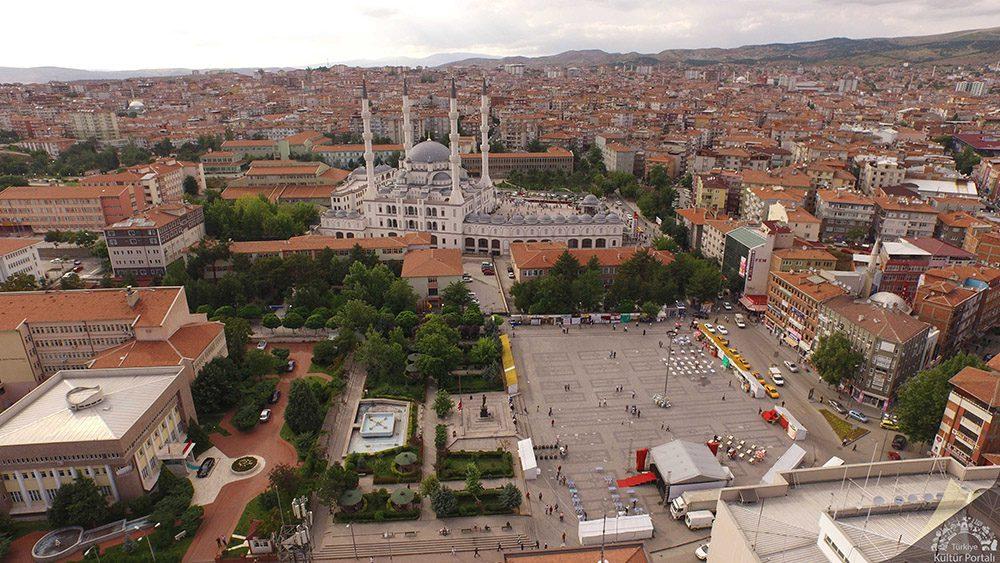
(844, 429)
(140, 552)
(210, 423)
(492, 464)
(470, 383)
(487, 503)
(381, 465)
(376, 508)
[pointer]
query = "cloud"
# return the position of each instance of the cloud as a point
(199, 34)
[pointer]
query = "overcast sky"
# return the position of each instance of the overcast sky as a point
(113, 34)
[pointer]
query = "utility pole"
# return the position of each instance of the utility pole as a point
(666, 378)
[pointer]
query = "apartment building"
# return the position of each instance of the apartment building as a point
(880, 172)
(430, 270)
(987, 178)
(145, 244)
(804, 225)
(349, 157)
(20, 256)
(117, 427)
(53, 146)
(693, 219)
(554, 159)
(617, 156)
(895, 346)
(954, 227)
(984, 244)
(746, 256)
(712, 242)
(44, 332)
(63, 208)
(952, 309)
(843, 215)
(94, 124)
(901, 217)
(900, 265)
(979, 278)
(756, 201)
(532, 260)
(970, 429)
(793, 301)
(709, 191)
(802, 259)
(159, 182)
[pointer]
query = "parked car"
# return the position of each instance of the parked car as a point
(274, 397)
(776, 376)
(709, 327)
(291, 365)
(262, 345)
(206, 467)
(857, 415)
(721, 329)
(791, 366)
(889, 422)
(836, 406)
(78, 269)
(466, 278)
(899, 442)
(772, 391)
(265, 415)
(702, 552)
(727, 306)
(894, 456)
(77, 262)
(739, 320)
(510, 275)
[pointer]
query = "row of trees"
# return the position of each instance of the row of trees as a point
(255, 218)
(643, 281)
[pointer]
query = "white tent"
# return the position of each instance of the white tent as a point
(621, 528)
(788, 461)
(795, 429)
(526, 452)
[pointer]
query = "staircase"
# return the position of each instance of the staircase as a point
(443, 544)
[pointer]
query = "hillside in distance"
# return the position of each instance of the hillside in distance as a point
(969, 47)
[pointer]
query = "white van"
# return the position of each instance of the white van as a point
(776, 376)
(739, 320)
(699, 519)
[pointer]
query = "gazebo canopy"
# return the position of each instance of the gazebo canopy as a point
(400, 497)
(350, 497)
(406, 458)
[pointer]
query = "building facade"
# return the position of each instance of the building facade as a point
(64, 208)
(145, 244)
(793, 301)
(20, 256)
(969, 430)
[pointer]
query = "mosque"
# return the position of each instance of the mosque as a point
(431, 192)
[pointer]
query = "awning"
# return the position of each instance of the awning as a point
(640, 479)
(755, 303)
(791, 341)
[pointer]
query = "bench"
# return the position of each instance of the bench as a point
(466, 530)
(410, 534)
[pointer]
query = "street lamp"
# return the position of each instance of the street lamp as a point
(666, 361)
(97, 553)
(149, 543)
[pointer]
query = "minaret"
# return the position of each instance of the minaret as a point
(456, 161)
(407, 125)
(366, 120)
(484, 128)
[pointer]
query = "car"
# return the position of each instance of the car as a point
(721, 329)
(510, 275)
(899, 442)
(78, 269)
(262, 345)
(760, 378)
(772, 391)
(709, 327)
(489, 272)
(485, 264)
(702, 552)
(467, 278)
(77, 262)
(206, 467)
(836, 406)
(791, 366)
(857, 415)
(889, 422)
(274, 397)
(291, 365)
(724, 341)
(56, 260)
(739, 320)
(265, 415)
(727, 306)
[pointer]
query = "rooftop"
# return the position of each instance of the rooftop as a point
(8, 245)
(890, 325)
(87, 305)
(432, 262)
(981, 384)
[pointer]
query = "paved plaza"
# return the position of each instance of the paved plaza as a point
(596, 360)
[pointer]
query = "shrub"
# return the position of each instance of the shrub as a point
(246, 417)
(443, 403)
(303, 413)
(325, 353)
(443, 502)
(510, 496)
(281, 353)
(440, 436)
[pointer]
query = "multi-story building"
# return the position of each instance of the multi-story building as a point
(63, 208)
(349, 157)
(617, 156)
(879, 173)
(289, 172)
(804, 225)
(253, 149)
(430, 270)
(693, 219)
(897, 218)
(844, 214)
(954, 227)
(554, 159)
(93, 124)
(987, 178)
(895, 346)
(951, 308)
(757, 201)
(118, 427)
(384, 248)
(712, 242)
(145, 244)
(534, 259)
(793, 300)
(20, 256)
(159, 182)
(984, 244)
(980, 278)
(222, 164)
(44, 332)
(709, 191)
(802, 259)
(973, 88)
(969, 431)
(900, 265)
(746, 256)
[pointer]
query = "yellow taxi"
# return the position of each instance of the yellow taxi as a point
(771, 391)
(760, 378)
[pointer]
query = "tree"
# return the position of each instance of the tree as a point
(237, 337)
(356, 315)
(303, 413)
(325, 353)
(922, 398)
(485, 351)
(510, 496)
(334, 481)
(20, 282)
(163, 147)
(271, 321)
(214, 390)
(407, 320)
(400, 297)
(835, 358)
(440, 436)
(443, 502)
(79, 503)
(246, 417)
(966, 160)
(71, 281)
(293, 321)
(382, 358)
(456, 294)
(285, 479)
(430, 485)
(315, 322)
(443, 403)
(190, 186)
(473, 483)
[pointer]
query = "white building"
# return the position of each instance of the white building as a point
(431, 192)
(880, 172)
(19, 256)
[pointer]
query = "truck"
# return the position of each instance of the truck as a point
(776, 376)
(699, 519)
(689, 501)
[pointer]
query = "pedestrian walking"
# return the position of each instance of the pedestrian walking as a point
(453, 554)
(638, 413)
(475, 553)
(498, 547)
(855, 448)
(536, 544)
(562, 517)
(553, 425)
(564, 538)
(528, 495)
(723, 397)
(550, 411)
(644, 332)
(633, 394)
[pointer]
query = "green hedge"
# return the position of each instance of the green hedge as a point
(380, 465)
(471, 383)
(376, 508)
(487, 503)
(492, 464)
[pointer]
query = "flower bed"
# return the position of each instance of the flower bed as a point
(492, 464)
(244, 464)
(377, 508)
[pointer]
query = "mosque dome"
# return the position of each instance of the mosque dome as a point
(586, 219)
(531, 219)
(590, 199)
(890, 300)
(517, 219)
(429, 151)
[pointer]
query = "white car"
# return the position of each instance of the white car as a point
(791, 366)
(702, 552)
(265, 415)
(722, 330)
(262, 345)
(727, 306)
(710, 328)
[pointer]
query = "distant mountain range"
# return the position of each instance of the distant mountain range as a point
(970, 47)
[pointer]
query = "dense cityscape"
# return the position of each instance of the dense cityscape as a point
(396, 312)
